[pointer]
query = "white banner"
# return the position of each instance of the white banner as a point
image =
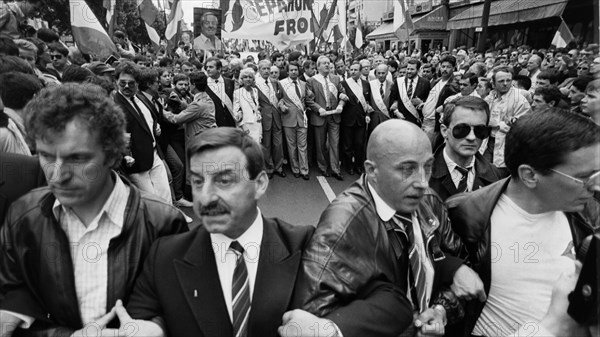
(284, 23)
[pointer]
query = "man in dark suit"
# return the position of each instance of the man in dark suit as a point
(269, 94)
(235, 274)
(147, 171)
(355, 117)
(19, 174)
(458, 166)
(220, 90)
(326, 108)
(381, 90)
(409, 93)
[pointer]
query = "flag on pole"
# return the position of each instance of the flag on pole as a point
(402, 19)
(174, 18)
(563, 36)
(89, 35)
(359, 41)
(109, 5)
(149, 13)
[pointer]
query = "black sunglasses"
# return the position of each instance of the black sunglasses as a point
(462, 130)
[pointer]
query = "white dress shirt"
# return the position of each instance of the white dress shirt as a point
(218, 87)
(226, 259)
(456, 174)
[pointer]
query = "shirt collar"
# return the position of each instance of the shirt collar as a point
(12, 114)
(251, 237)
(114, 207)
(451, 164)
(384, 210)
(220, 79)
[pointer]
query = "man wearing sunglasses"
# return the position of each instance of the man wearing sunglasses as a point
(147, 171)
(522, 232)
(458, 166)
(58, 55)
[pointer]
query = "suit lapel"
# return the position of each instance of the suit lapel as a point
(127, 104)
(199, 281)
(275, 279)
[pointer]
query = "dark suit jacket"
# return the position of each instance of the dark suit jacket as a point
(19, 174)
(141, 141)
(222, 116)
(354, 112)
(319, 100)
(421, 91)
(387, 92)
(180, 282)
(157, 113)
(270, 113)
(441, 180)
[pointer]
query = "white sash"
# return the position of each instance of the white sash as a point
(267, 90)
(290, 90)
(332, 88)
(356, 89)
(404, 96)
(375, 84)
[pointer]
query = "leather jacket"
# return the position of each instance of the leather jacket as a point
(36, 269)
(470, 214)
(350, 254)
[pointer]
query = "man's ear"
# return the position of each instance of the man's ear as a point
(528, 175)
(444, 131)
(370, 168)
(262, 183)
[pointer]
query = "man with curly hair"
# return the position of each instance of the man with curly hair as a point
(72, 249)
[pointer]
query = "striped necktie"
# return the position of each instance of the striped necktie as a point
(240, 293)
(462, 184)
(418, 287)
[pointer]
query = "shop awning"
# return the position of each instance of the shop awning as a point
(503, 12)
(434, 20)
(386, 32)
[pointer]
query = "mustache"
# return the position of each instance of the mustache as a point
(214, 207)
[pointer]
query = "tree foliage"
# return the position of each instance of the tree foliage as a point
(128, 19)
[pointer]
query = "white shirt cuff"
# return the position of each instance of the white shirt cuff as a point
(27, 321)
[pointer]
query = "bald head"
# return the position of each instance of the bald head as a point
(394, 135)
(399, 163)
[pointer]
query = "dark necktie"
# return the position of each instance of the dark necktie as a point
(409, 90)
(137, 108)
(240, 293)
(462, 184)
(418, 286)
(297, 89)
(381, 90)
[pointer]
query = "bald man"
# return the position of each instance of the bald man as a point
(357, 271)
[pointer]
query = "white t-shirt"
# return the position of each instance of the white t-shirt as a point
(529, 252)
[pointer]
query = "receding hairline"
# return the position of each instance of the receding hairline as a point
(387, 134)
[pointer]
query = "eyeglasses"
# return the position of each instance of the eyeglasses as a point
(593, 180)
(56, 56)
(460, 131)
(124, 84)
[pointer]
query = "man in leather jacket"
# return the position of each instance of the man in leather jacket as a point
(522, 232)
(72, 249)
(357, 268)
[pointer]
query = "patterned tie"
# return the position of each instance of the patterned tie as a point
(327, 94)
(419, 285)
(381, 90)
(297, 89)
(462, 184)
(409, 90)
(240, 293)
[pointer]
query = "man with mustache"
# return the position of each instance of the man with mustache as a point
(234, 275)
(72, 249)
(385, 238)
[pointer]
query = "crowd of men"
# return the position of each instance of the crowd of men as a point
(478, 180)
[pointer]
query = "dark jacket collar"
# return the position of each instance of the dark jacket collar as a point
(483, 169)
